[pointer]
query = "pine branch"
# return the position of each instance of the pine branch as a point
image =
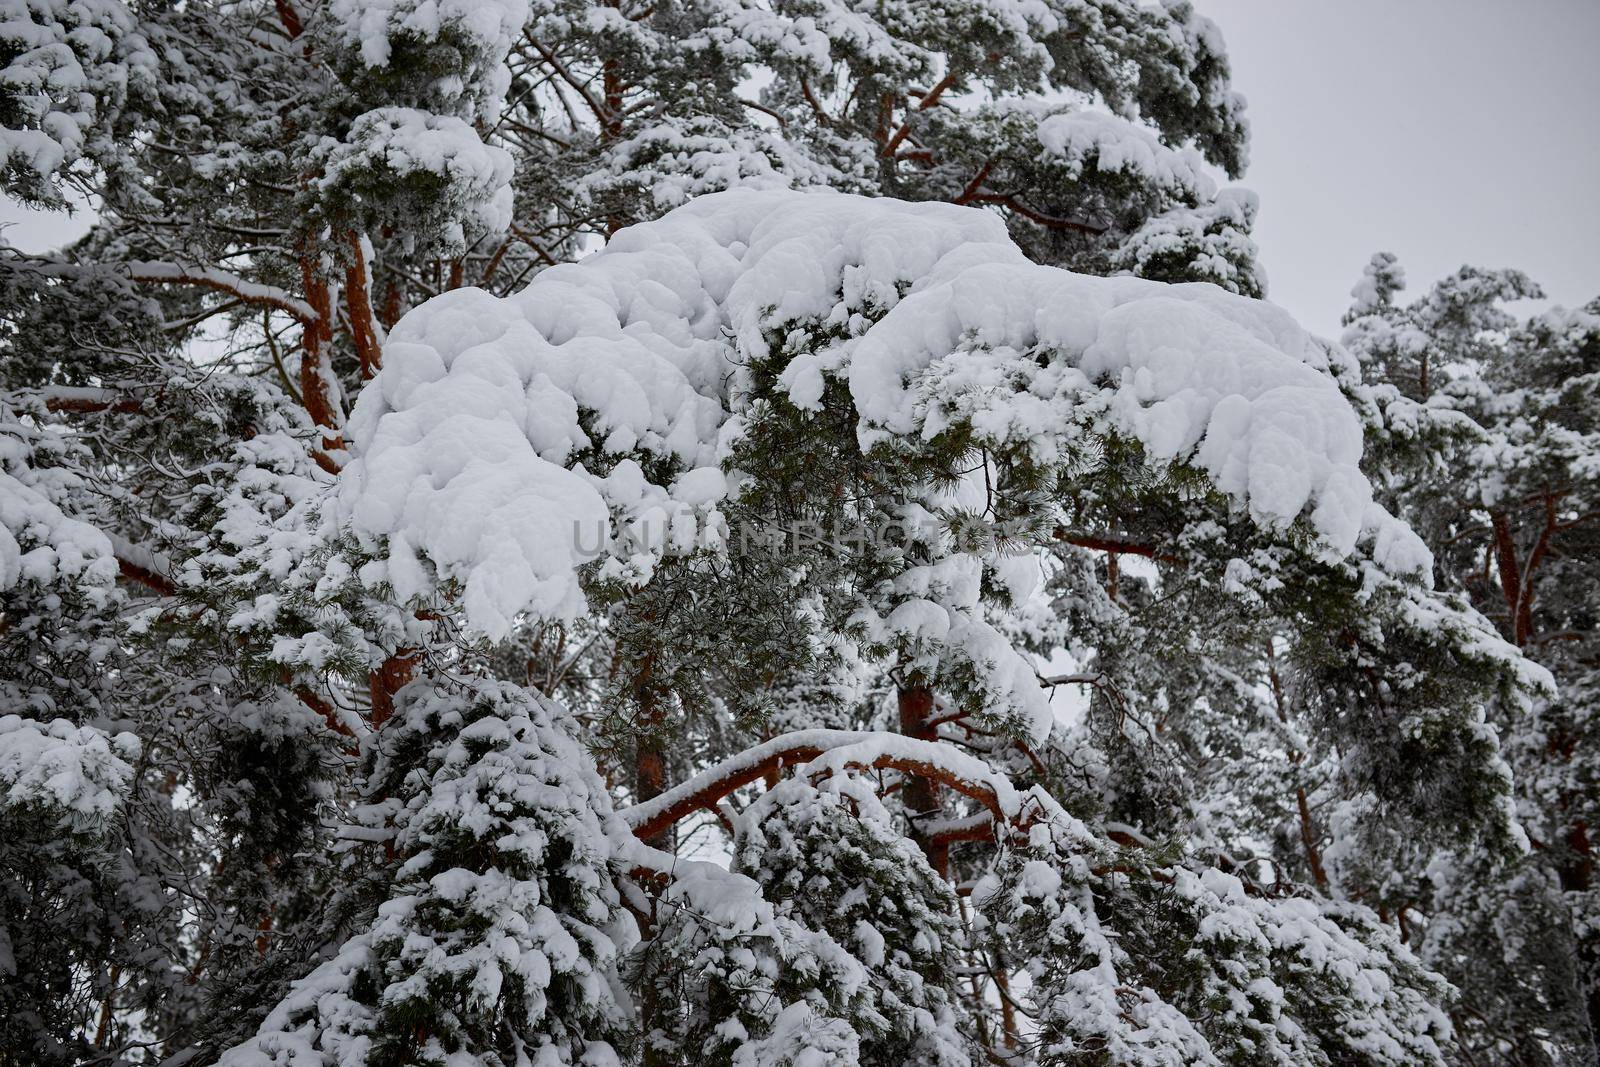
(826, 752)
(924, 104)
(139, 564)
(85, 400)
(221, 281)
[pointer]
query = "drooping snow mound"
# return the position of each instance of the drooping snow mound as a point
(1115, 144)
(79, 773)
(470, 443)
(39, 543)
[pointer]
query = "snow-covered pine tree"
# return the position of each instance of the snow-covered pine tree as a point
(65, 775)
(306, 172)
(1485, 430)
(831, 857)
(497, 924)
(270, 870)
(328, 165)
(910, 348)
(211, 856)
(136, 399)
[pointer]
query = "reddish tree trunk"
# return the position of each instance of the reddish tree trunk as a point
(358, 298)
(1308, 829)
(649, 761)
(386, 681)
(316, 391)
(921, 794)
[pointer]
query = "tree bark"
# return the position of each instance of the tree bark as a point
(1308, 829)
(358, 298)
(649, 782)
(1308, 840)
(920, 794)
(317, 392)
(386, 681)
(649, 760)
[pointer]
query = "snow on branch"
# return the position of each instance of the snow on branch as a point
(822, 752)
(222, 281)
(156, 271)
(712, 784)
(88, 400)
(466, 442)
(140, 564)
(40, 543)
(80, 772)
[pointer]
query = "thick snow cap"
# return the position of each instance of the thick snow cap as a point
(468, 444)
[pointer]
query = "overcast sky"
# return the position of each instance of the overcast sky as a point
(1445, 131)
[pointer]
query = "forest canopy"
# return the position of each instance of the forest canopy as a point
(766, 534)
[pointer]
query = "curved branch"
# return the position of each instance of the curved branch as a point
(150, 579)
(87, 400)
(817, 109)
(139, 564)
(1113, 545)
(946, 832)
(975, 186)
(223, 282)
(650, 817)
(601, 113)
(533, 243)
(823, 752)
(1049, 222)
(924, 104)
(783, 122)
(156, 271)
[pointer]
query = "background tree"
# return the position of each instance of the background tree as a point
(952, 431)
(1485, 427)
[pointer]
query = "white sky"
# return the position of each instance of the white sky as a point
(1445, 131)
